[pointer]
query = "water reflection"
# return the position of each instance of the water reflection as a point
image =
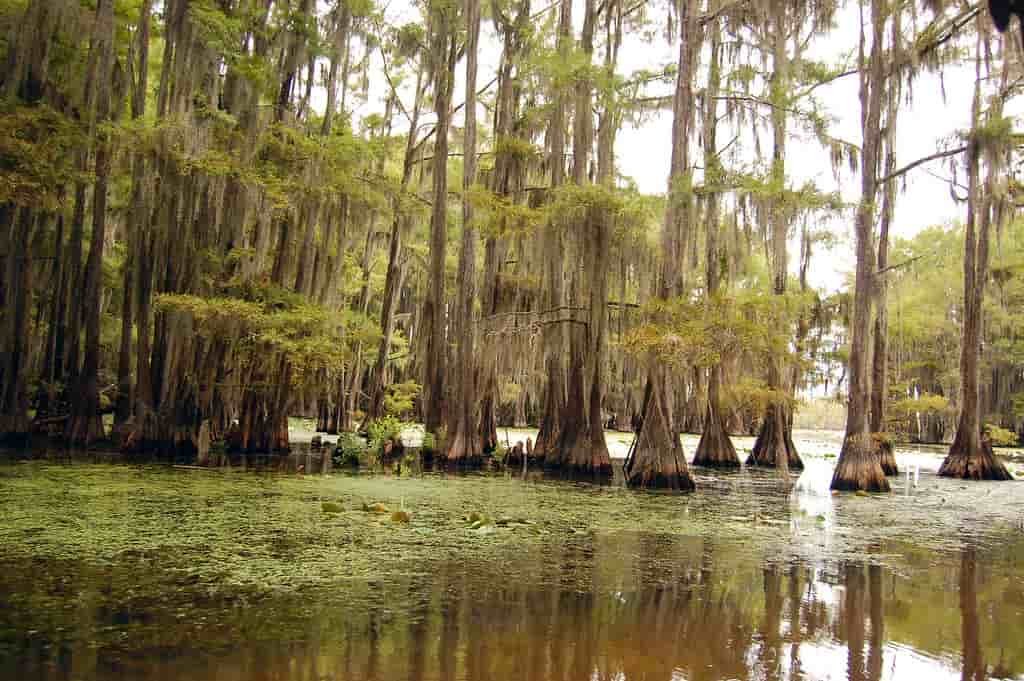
(657, 609)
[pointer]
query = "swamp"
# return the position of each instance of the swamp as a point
(153, 572)
(632, 340)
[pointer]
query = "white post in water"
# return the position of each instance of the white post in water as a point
(917, 477)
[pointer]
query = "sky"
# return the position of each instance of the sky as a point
(940, 107)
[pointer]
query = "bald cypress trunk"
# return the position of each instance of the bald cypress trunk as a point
(774, 445)
(464, 447)
(138, 215)
(715, 448)
(14, 423)
(444, 49)
(85, 424)
(858, 467)
(342, 18)
(657, 460)
(971, 455)
(394, 279)
(581, 447)
(506, 179)
(880, 355)
(546, 449)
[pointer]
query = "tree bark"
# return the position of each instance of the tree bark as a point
(434, 313)
(858, 467)
(400, 225)
(546, 448)
(715, 447)
(774, 445)
(880, 355)
(136, 217)
(657, 460)
(464, 447)
(14, 423)
(971, 455)
(85, 424)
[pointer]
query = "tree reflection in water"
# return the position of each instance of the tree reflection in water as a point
(626, 607)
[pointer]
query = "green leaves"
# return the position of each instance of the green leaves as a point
(36, 155)
(706, 332)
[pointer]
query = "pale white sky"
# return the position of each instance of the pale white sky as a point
(940, 107)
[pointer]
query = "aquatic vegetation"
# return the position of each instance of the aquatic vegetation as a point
(280, 532)
(218, 557)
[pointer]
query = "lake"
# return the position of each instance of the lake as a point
(264, 572)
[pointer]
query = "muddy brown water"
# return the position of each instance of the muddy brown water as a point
(264, 572)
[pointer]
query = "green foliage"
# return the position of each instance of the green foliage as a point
(501, 215)
(753, 395)
(703, 333)
(398, 400)
(262, 319)
(925, 404)
(37, 150)
(379, 431)
(1000, 437)
(219, 31)
(349, 450)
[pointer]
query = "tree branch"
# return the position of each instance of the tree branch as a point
(910, 166)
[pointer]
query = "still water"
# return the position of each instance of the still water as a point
(127, 571)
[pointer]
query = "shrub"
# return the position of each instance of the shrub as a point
(349, 449)
(1000, 437)
(381, 430)
(398, 401)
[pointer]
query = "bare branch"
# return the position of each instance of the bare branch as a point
(910, 166)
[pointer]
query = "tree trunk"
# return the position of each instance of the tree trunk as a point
(858, 467)
(444, 54)
(581, 449)
(85, 424)
(400, 225)
(14, 423)
(880, 356)
(715, 448)
(774, 445)
(657, 459)
(136, 217)
(507, 177)
(463, 442)
(971, 456)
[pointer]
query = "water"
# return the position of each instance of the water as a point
(150, 572)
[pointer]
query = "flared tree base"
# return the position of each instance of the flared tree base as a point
(661, 478)
(84, 430)
(887, 456)
(980, 464)
(858, 468)
(463, 453)
(657, 460)
(715, 449)
(771, 441)
(581, 453)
